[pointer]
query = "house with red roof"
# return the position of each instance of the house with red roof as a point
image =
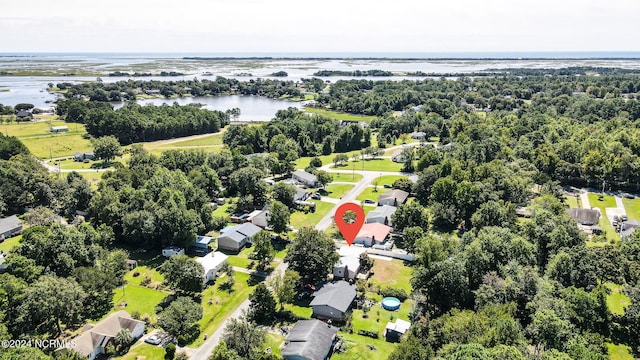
(372, 234)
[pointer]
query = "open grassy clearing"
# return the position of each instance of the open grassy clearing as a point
(606, 202)
(41, 126)
(392, 274)
(373, 165)
(372, 193)
(358, 348)
(344, 177)
(92, 177)
(240, 259)
(337, 191)
(10, 243)
(619, 352)
(339, 115)
(573, 202)
(143, 351)
(274, 341)
(138, 298)
(387, 179)
(143, 271)
(617, 301)
(303, 162)
(205, 141)
(57, 145)
(218, 304)
(632, 207)
(300, 219)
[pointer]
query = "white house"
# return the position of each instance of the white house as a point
(172, 250)
(261, 218)
(347, 267)
(305, 178)
(235, 238)
(212, 263)
(94, 338)
(381, 215)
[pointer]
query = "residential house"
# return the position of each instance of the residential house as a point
(169, 251)
(381, 215)
(628, 228)
(347, 267)
(212, 263)
(372, 234)
(305, 178)
(301, 195)
(9, 227)
(236, 237)
(261, 218)
(201, 246)
(393, 331)
(584, 216)
(394, 197)
(333, 300)
(419, 135)
(24, 115)
(81, 156)
(59, 129)
(309, 340)
(95, 338)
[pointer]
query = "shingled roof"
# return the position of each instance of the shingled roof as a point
(309, 339)
(338, 295)
(584, 216)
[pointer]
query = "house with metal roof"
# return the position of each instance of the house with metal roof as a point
(394, 197)
(237, 237)
(333, 300)
(372, 234)
(201, 246)
(305, 178)
(381, 215)
(309, 340)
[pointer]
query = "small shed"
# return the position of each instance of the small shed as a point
(59, 129)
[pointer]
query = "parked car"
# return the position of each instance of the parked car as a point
(615, 223)
(323, 192)
(624, 218)
(153, 340)
(315, 196)
(387, 186)
(616, 218)
(369, 201)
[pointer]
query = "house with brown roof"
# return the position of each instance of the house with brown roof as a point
(394, 197)
(95, 337)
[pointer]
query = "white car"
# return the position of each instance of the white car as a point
(153, 340)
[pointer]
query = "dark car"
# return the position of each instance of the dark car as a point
(316, 196)
(387, 186)
(369, 201)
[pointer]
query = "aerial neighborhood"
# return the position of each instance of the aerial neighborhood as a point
(499, 213)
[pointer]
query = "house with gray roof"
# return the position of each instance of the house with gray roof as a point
(381, 215)
(305, 178)
(394, 197)
(347, 267)
(628, 228)
(584, 216)
(9, 227)
(235, 238)
(333, 300)
(309, 340)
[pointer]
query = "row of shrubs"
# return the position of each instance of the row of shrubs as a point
(399, 294)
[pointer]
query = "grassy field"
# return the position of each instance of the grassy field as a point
(606, 202)
(144, 271)
(344, 177)
(619, 352)
(213, 140)
(358, 348)
(10, 243)
(144, 351)
(339, 115)
(337, 191)
(42, 143)
(92, 177)
(632, 207)
(218, 304)
(387, 179)
(617, 301)
(303, 162)
(241, 259)
(372, 193)
(300, 219)
(138, 298)
(393, 274)
(375, 165)
(572, 201)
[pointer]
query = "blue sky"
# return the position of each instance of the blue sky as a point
(318, 26)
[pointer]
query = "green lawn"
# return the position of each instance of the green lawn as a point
(387, 179)
(144, 271)
(222, 304)
(274, 341)
(92, 177)
(372, 193)
(337, 191)
(138, 298)
(303, 312)
(39, 128)
(358, 348)
(606, 202)
(339, 115)
(374, 165)
(222, 209)
(300, 219)
(617, 301)
(632, 207)
(392, 274)
(303, 162)
(619, 352)
(344, 177)
(144, 351)
(205, 141)
(10, 243)
(56, 145)
(241, 259)
(572, 201)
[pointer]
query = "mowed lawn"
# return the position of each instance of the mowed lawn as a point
(337, 191)
(345, 177)
(377, 165)
(572, 201)
(300, 219)
(218, 304)
(387, 179)
(358, 347)
(632, 207)
(392, 274)
(138, 298)
(617, 301)
(42, 143)
(143, 350)
(208, 142)
(619, 352)
(372, 193)
(606, 202)
(8, 244)
(240, 259)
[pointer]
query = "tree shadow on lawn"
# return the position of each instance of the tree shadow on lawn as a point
(150, 258)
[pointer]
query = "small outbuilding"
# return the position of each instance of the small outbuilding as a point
(201, 246)
(59, 129)
(394, 330)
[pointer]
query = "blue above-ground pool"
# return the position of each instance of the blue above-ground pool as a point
(391, 303)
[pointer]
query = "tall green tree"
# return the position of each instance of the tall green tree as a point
(183, 274)
(262, 249)
(106, 148)
(262, 306)
(312, 254)
(284, 286)
(279, 217)
(244, 338)
(181, 318)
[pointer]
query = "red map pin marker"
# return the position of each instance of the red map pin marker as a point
(349, 231)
